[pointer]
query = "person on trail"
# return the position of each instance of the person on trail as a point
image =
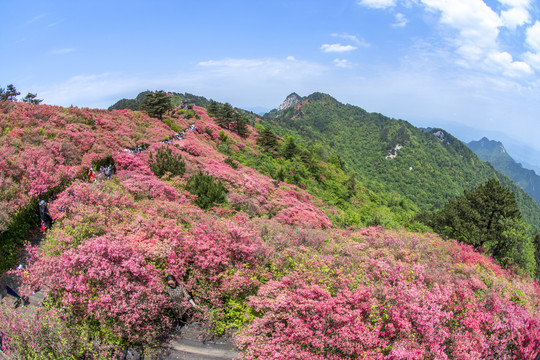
(19, 300)
(178, 295)
(91, 175)
(44, 215)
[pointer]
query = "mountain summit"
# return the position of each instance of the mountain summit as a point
(495, 152)
(291, 100)
(428, 167)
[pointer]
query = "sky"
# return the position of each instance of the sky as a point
(471, 67)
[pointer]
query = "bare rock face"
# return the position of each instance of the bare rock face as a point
(291, 100)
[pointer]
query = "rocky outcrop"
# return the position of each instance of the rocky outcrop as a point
(291, 100)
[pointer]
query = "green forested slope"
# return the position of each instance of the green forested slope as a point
(428, 167)
(495, 153)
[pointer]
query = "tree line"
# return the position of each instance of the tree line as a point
(10, 93)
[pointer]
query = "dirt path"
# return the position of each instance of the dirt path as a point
(193, 342)
(35, 237)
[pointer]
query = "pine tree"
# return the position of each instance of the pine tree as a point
(268, 140)
(164, 161)
(213, 108)
(156, 104)
(9, 94)
(31, 99)
(290, 149)
(240, 125)
(209, 191)
(489, 217)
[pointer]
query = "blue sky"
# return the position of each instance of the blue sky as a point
(469, 66)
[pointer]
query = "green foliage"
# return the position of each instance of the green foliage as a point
(170, 123)
(213, 108)
(223, 136)
(290, 149)
(229, 118)
(489, 217)
(429, 167)
(106, 161)
(268, 140)
(26, 219)
(209, 192)
(164, 161)
(475, 217)
(177, 99)
(229, 161)
(236, 316)
(312, 170)
(495, 153)
(156, 104)
(515, 246)
(9, 94)
(31, 99)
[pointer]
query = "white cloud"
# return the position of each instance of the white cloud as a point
(330, 48)
(532, 59)
(61, 51)
(343, 63)
(504, 61)
(515, 17)
(353, 38)
(401, 20)
(377, 4)
(533, 36)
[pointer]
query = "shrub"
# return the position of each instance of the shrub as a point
(167, 162)
(209, 191)
(231, 162)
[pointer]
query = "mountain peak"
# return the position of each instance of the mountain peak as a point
(490, 145)
(291, 100)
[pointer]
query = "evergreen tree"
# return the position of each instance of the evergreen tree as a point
(488, 217)
(351, 185)
(209, 191)
(474, 217)
(9, 94)
(31, 99)
(268, 140)
(213, 108)
(165, 161)
(240, 125)
(156, 104)
(225, 116)
(290, 149)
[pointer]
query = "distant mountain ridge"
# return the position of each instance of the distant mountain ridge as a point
(495, 152)
(429, 166)
(176, 99)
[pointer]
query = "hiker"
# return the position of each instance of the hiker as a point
(91, 175)
(45, 216)
(19, 300)
(178, 295)
(108, 172)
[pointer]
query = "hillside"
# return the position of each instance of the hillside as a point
(429, 168)
(267, 258)
(177, 99)
(494, 152)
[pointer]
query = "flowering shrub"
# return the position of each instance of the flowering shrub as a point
(298, 287)
(108, 286)
(393, 296)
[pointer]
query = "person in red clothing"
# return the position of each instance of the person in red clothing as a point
(91, 175)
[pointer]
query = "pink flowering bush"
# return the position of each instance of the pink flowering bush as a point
(270, 263)
(391, 295)
(42, 145)
(108, 286)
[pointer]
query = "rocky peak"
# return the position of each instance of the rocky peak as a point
(291, 100)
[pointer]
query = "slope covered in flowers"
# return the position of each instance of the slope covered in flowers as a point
(270, 262)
